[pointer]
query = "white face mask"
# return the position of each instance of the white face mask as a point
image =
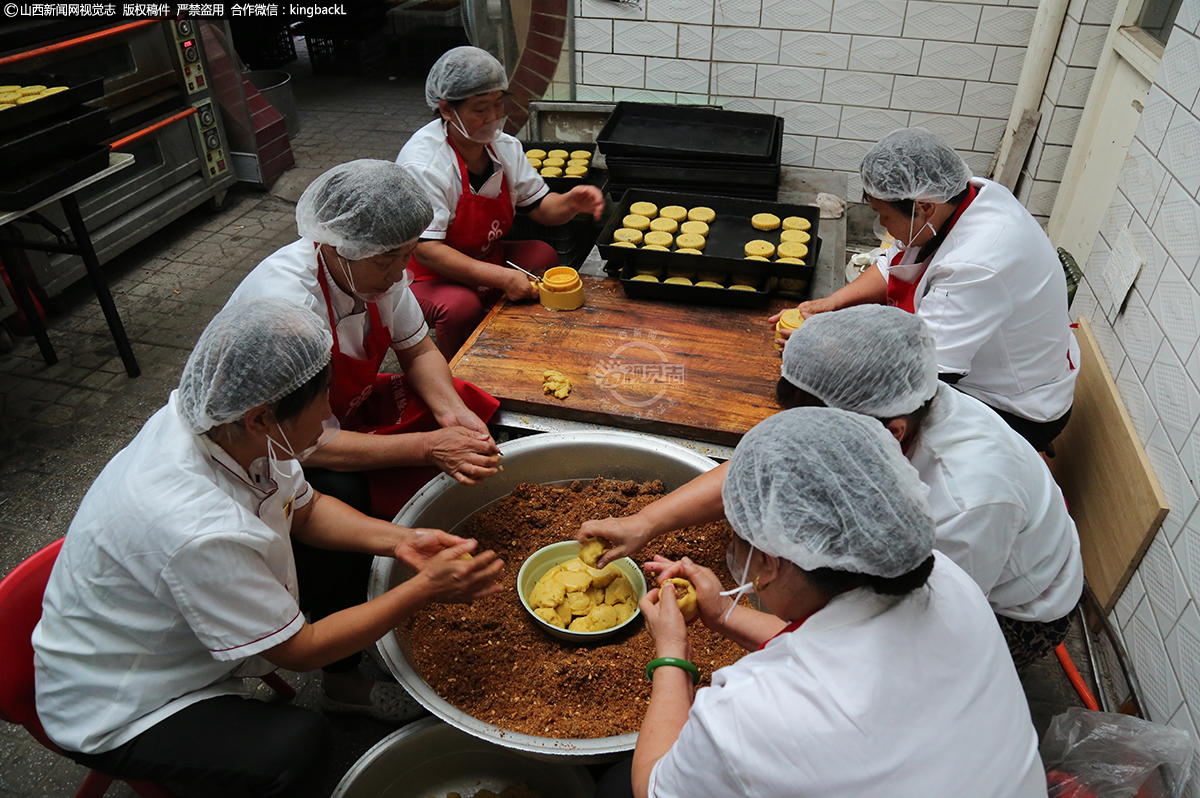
(486, 134)
(375, 296)
(746, 585)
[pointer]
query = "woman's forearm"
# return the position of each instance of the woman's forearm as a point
(697, 502)
(870, 287)
(357, 451)
(670, 700)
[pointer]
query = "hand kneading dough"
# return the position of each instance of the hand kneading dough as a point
(676, 212)
(760, 248)
(685, 597)
(592, 550)
(702, 214)
(647, 209)
(659, 238)
(764, 221)
(796, 223)
(664, 225)
(581, 598)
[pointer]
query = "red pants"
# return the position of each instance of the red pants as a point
(453, 310)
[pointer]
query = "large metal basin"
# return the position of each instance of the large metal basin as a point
(549, 459)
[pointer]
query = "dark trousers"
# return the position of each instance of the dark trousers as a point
(237, 745)
(1040, 434)
(331, 581)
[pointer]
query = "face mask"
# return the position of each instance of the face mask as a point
(881, 232)
(486, 134)
(744, 587)
(375, 296)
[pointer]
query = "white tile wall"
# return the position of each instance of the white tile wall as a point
(880, 17)
(643, 96)
(870, 124)
(1041, 197)
(1156, 118)
(1174, 396)
(1088, 45)
(748, 104)
(1130, 599)
(1149, 653)
(1176, 303)
(812, 15)
(798, 150)
(1180, 150)
(593, 35)
(746, 45)
(988, 99)
(655, 39)
(1183, 646)
(694, 11)
(809, 119)
(1143, 179)
(840, 154)
(858, 88)
(960, 131)
(625, 71)
(954, 22)
(1163, 580)
(1064, 122)
(990, 132)
(695, 42)
(675, 74)
(1052, 162)
(933, 95)
(826, 50)
(1007, 66)
(1176, 226)
(737, 12)
(1011, 26)
(891, 55)
(1181, 496)
(733, 80)
(788, 83)
(957, 60)
(1077, 81)
(1139, 333)
(1136, 401)
(1179, 72)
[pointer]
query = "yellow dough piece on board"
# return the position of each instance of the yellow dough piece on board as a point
(760, 248)
(690, 241)
(551, 171)
(556, 384)
(695, 228)
(635, 221)
(678, 281)
(702, 214)
(647, 209)
(535, 153)
(656, 247)
(558, 154)
(625, 234)
(664, 225)
(645, 278)
(764, 221)
(798, 236)
(796, 223)
(659, 238)
(676, 212)
(790, 249)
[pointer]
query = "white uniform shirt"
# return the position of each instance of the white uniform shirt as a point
(872, 697)
(999, 513)
(995, 298)
(291, 273)
(176, 572)
(431, 159)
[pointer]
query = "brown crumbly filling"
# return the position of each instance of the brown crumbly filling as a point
(493, 662)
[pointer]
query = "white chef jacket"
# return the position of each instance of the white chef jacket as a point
(995, 298)
(177, 570)
(432, 160)
(872, 697)
(291, 273)
(999, 513)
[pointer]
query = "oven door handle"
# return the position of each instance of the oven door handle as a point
(141, 134)
(91, 37)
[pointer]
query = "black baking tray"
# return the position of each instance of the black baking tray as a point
(72, 130)
(764, 193)
(81, 89)
(724, 255)
(690, 132)
(20, 191)
(594, 177)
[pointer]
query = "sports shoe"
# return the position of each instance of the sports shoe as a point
(390, 703)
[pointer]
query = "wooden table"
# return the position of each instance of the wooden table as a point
(694, 371)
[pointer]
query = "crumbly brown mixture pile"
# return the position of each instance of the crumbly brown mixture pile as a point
(492, 661)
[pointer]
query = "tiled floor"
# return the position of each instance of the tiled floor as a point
(62, 423)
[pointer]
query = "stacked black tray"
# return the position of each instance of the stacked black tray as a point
(690, 149)
(50, 143)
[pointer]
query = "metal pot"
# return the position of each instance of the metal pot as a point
(549, 459)
(431, 758)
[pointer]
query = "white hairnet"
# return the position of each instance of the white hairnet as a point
(363, 208)
(913, 164)
(869, 359)
(464, 72)
(252, 353)
(823, 488)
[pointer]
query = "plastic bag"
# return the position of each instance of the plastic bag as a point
(1091, 754)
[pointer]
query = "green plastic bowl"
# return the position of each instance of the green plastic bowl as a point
(537, 564)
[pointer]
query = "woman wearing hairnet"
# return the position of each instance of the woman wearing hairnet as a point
(970, 260)
(176, 576)
(359, 224)
(875, 671)
(476, 175)
(999, 514)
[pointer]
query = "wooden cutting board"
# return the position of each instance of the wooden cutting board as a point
(694, 371)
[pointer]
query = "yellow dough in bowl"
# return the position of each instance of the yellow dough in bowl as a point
(676, 212)
(764, 221)
(690, 241)
(760, 248)
(592, 550)
(798, 236)
(660, 238)
(790, 249)
(664, 225)
(695, 228)
(626, 234)
(647, 209)
(796, 223)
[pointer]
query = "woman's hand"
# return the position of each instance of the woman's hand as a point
(468, 456)
(712, 604)
(626, 536)
(463, 417)
(419, 546)
(586, 199)
(665, 623)
(448, 578)
(815, 306)
(517, 287)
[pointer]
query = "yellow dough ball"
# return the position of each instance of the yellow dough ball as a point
(796, 223)
(797, 236)
(576, 171)
(558, 154)
(664, 225)
(551, 171)
(626, 234)
(795, 261)
(559, 162)
(760, 248)
(678, 281)
(695, 228)
(645, 278)
(676, 212)
(702, 214)
(687, 250)
(690, 241)
(9, 97)
(635, 221)
(656, 247)
(685, 597)
(660, 238)
(790, 249)
(539, 154)
(764, 221)
(7, 105)
(647, 209)
(628, 244)
(740, 287)
(583, 154)
(592, 550)
(708, 284)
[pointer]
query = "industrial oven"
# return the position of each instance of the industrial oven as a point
(161, 110)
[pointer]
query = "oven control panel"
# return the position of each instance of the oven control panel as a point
(215, 158)
(187, 43)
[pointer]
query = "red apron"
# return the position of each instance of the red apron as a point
(366, 401)
(901, 294)
(478, 223)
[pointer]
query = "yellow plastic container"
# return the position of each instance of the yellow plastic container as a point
(790, 320)
(561, 289)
